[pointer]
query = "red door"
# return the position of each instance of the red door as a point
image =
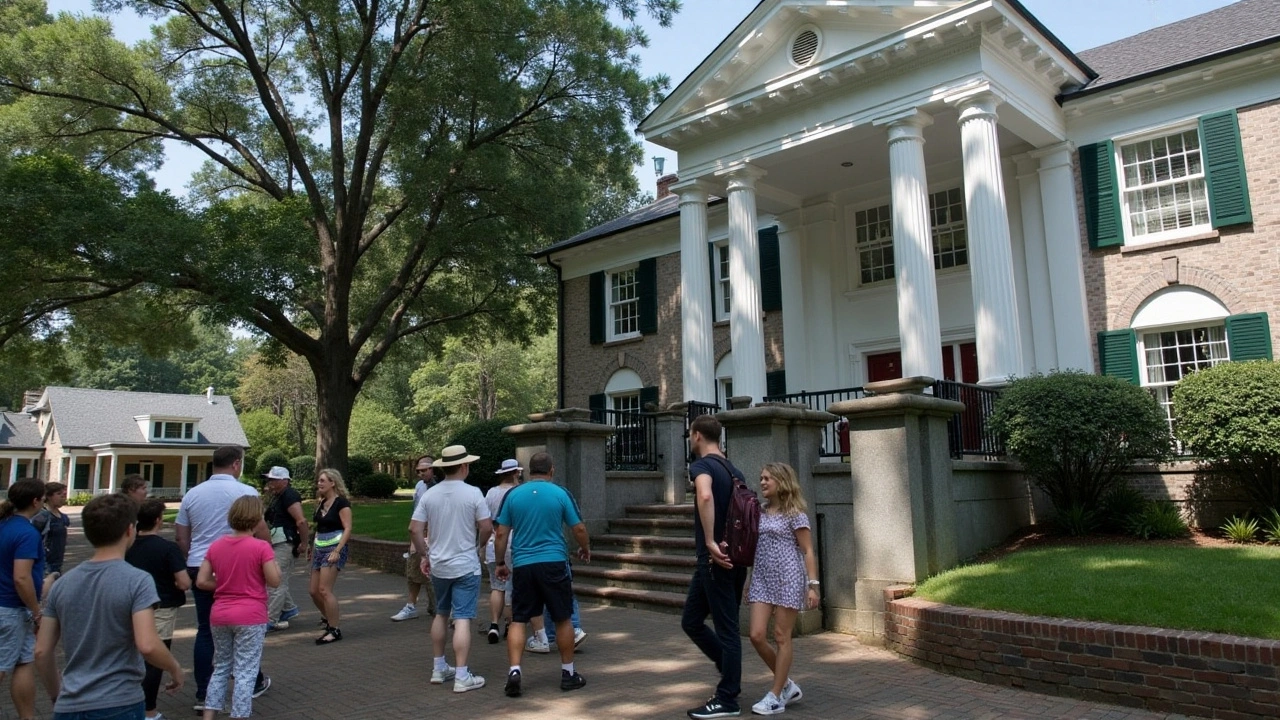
(884, 366)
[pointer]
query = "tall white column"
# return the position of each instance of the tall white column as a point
(1062, 243)
(13, 470)
(696, 312)
(746, 319)
(918, 325)
(995, 299)
(792, 247)
(115, 464)
(182, 473)
(1043, 341)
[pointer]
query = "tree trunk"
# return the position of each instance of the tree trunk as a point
(335, 398)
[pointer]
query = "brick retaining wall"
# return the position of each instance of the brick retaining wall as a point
(1178, 671)
(382, 555)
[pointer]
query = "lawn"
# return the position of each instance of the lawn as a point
(1218, 589)
(381, 519)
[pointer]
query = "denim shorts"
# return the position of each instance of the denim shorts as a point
(17, 638)
(135, 711)
(457, 597)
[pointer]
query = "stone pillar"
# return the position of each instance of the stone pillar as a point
(673, 451)
(904, 527)
(995, 300)
(577, 447)
(746, 319)
(696, 312)
(1043, 341)
(1062, 241)
(917, 287)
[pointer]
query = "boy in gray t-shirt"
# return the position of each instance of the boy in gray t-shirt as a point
(102, 610)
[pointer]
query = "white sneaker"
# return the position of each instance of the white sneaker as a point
(408, 612)
(791, 692)
(442, 676)
(770, 705)
(534, 645)
(472, 682)
(578, 636)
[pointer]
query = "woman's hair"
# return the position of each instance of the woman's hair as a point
(339, 486)
(787, 496)
(22, 495)
(245, 513)
(132, 482)
(53, 488)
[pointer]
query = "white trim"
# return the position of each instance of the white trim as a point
(817, 50)
(722, 284)
(1154, 133)
(610, 334)
(1176, 308)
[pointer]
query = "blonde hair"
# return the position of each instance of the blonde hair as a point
(245, 513)
(339, 486)
(787, 496)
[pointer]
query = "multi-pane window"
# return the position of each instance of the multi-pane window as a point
(873, 230)
(624, 303)
(874, 233)
(1170, 355)
(172, 430)
(626, 402)
(1164, 189)
(722, 282)
(950, 241)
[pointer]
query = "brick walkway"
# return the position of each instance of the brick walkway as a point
(638, 664)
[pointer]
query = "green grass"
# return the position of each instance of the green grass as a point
(1228, 590)
(381, 519)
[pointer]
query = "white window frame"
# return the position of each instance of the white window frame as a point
(1166, 131)
(155, 427)
(882, 244)
(626, 401)
(723, 290)
(885, 243)
(1163, 390)
(611, 306)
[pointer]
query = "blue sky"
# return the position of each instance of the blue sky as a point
(675, 51)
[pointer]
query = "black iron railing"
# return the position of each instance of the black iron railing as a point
(692, 410)
(969, 431)
(634, 444)
(835, 436)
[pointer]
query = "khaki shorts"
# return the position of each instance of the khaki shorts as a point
(166, 620)
(413, 569)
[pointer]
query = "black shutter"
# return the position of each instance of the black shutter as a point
(648, 396)
(1224, 173)
(597, 308)
(647, 280)
(597, 403)
(1248, 337)
(1101, 195)
(770, 270)
(775, 384)
(1118, 354)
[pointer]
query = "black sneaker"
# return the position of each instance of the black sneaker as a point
(262, 686)
(571, 681)
(494, 636)
(513, 684)
(715, 708)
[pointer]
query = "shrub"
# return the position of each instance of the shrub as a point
(1076, 520)
(303, 470)
(359, 467)
(80, 498)
(1240, 530)
(376, 485)
(1118, 505)
(270, 458)
(486, 439)
(250, 466)
(1271, 526)
(1074, 432)
(1160, 519)
(1229, 416)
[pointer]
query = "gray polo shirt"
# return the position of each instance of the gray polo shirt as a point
(204, 510)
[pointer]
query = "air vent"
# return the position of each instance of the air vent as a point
(804, 48)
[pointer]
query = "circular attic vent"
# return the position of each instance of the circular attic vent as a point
(805, 47)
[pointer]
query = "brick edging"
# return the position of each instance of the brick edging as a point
(1180, 671)
(383, 555)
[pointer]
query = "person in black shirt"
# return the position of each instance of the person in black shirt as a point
(289, 531)
(164, 561)
(328, 554)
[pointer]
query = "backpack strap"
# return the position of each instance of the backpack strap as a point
(47, 524)
(735, 478)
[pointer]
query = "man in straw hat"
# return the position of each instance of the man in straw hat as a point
(452, 513)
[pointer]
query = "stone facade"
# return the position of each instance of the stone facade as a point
(1238, 265)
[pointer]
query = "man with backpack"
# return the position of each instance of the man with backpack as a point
(716, 587)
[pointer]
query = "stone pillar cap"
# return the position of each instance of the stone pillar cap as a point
(909, 385)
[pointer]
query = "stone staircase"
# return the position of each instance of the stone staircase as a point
(644, 561)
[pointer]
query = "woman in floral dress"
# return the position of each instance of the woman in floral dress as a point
(784, 580)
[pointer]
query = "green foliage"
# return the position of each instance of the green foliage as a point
(1240, 529)
(359, 467)
(486, 439)
(274, 381)
(1074, 432)
(303, 467)
(265, 430)
(1271, 526)
(1229, 416)
(376, 485)
(272, 457)
(1118, 505)
(250, 465)
(379, 434)
(1158, 520)
(1076, 520)
(80, 498)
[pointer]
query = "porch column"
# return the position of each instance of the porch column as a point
(1062, 241)
(1044, 347)
(13, 470)
(696, 313)
(995, 301)
(746, 318)
(95, 478)
(182, 473)
(115, 464)
(918, 325)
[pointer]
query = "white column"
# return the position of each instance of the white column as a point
(795, 343)
(746, 319)
(13, 470)
(182, 473)
(696, 312)
(1062, 243)
(821, 250)
(1043, 342)
(917, 287)
(115, 464)
(995, 300)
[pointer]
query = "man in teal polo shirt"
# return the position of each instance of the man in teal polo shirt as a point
(537, 512)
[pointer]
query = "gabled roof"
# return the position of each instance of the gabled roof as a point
(86, 417)
(655, 211)
(1236, 27)
(18, 431)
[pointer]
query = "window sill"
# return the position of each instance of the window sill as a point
(623, 341)
(1211, 236)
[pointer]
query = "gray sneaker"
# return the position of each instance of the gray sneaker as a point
(439, 677)
(472, 682)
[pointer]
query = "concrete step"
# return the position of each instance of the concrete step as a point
(632, 579)
(644, 561)
(668, 602)
(660, 511)
(664, 526)
(644, 543)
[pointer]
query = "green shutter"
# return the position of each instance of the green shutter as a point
(647, 280)
(1101, 195)
(1224, 172)
(770, 270)
(648, 396)
(1118, 354)
(1249, 337)
(596, 403)
(775, 383)
(597, 308)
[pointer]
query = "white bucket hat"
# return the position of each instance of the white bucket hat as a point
(507, 466)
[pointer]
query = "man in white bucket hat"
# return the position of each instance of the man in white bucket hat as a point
(508, 474)
(456, 520)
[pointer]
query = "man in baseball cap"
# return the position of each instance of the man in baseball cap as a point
(289, 531)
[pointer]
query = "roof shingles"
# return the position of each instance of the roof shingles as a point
(86, 417)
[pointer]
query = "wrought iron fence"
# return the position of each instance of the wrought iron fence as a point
(969, 431)
(835, 436)
(634, 444)
(694, 409)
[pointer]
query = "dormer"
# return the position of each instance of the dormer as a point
(169, 428)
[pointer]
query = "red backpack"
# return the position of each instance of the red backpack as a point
(742, 527)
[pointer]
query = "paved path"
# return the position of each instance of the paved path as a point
(638, 664)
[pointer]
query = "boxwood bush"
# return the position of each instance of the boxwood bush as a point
(486, 439)
(269, 458)
(376, 485)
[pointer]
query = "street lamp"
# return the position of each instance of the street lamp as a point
(658, 162)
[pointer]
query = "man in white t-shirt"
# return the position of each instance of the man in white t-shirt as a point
(452, 513)
(413, 562)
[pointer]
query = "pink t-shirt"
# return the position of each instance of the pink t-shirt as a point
(240, 597)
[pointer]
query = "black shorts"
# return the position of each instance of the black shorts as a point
(540, 585)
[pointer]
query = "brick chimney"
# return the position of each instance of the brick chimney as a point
(664, 185)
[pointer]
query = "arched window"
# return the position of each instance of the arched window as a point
(623, 390)
(1179, 330)
(724, 380)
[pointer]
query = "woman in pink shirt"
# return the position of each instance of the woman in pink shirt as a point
(237, 569)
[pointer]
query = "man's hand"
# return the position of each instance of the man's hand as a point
(503, 572)
(425, 565)
(719, 554)
(175, 683)
(584, 554)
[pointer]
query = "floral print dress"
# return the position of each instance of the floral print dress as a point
(778, 577)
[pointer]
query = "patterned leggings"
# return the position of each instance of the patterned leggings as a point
(237, 652)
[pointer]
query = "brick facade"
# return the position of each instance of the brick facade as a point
(655, 358)
(1239, 267)
(1173, 671)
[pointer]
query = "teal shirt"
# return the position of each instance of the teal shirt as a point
(536, 512)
